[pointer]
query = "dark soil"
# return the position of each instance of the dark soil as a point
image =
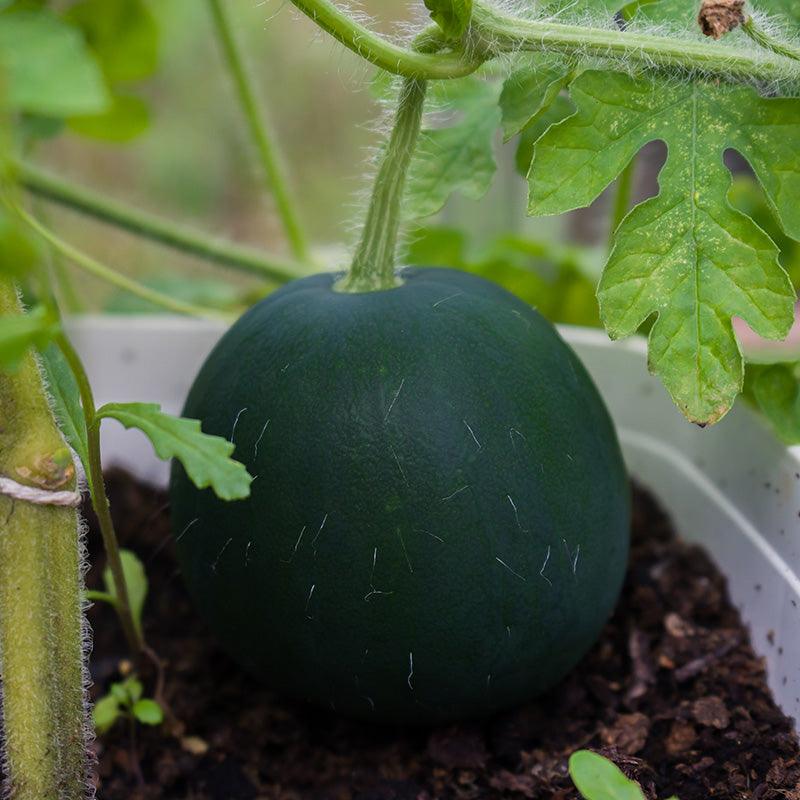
(673, 693)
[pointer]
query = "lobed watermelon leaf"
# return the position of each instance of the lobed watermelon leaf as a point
(206, 459)
(685, 255)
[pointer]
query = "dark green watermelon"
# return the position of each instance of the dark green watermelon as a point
(439, 522)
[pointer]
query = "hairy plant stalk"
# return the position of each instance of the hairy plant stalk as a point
(373, 265)
(41, 624)
(494, 32)
(385, 54)
(263, 136)
(500, 32)
(148, 226)
(769, 42)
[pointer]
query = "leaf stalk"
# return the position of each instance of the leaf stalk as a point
(100, 498)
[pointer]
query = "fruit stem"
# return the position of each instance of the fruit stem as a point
(373, 266)
(260, 131)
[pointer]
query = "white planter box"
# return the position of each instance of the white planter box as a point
(733, 487)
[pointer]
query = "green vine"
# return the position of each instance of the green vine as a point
(149, 226)
(263, 137)
(493, 33)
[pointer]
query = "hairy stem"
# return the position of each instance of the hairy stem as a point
(494, 32)
(260, 131)
(622, 199)
(498, 32)
(41, 624)
(768, 42)
(385, 54)
(94, 267)
(99, 498)
(373, 265)
(149, 226)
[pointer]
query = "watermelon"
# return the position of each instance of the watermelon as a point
(439, 522)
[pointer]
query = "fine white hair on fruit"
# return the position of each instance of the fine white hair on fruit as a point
(544, 566)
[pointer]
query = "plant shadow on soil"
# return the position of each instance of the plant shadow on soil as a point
(673, 693)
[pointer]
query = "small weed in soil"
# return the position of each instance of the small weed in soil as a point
(673, 693)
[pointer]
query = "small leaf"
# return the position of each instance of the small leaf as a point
(135, 580)
(66, 403)
(529, 91)
(123, 34)
(205, 458)
(775, 391)
(120, 694)
(133, 689)
(105, 713)
(20, 332)
(459, 157)
(597, 778)
(125, 120)
(47, 67)
(148, 712)
(452, 16)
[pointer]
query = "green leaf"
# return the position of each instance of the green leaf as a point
(148, 712)
(125, 120)
(597, 778)
(133, 689)
(47, 67)
(775, 390)
(105, 713)
(529, 91)
(560, 109)
(20, 332)
(559, 281)
(19, 251)
(123, 34)
(66, 403)
(452, 16)
(685, 255)
(459, 157)
(205, 458)
(135, 580)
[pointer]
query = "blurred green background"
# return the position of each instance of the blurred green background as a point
(194, 162)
